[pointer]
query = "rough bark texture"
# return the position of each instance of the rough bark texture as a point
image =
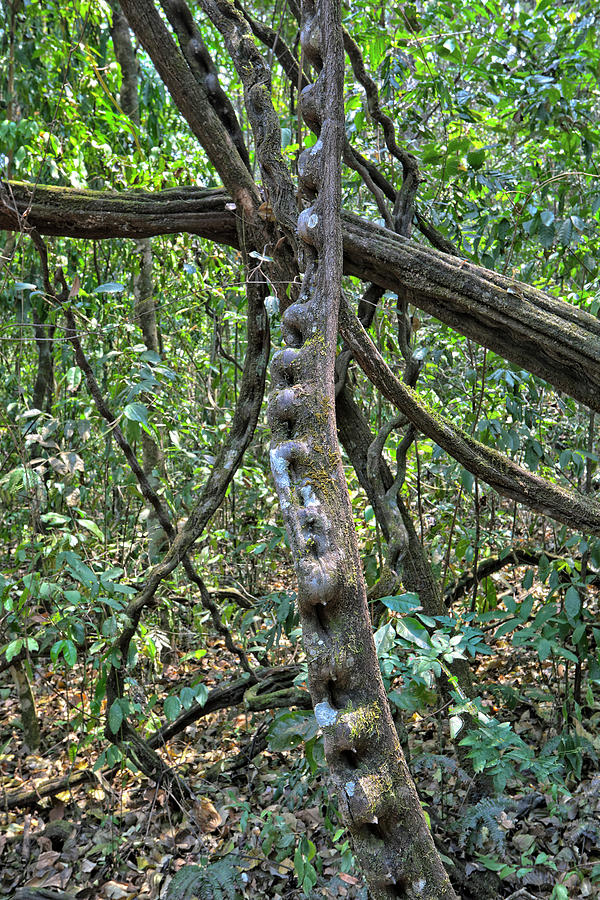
(547, 337)
(376, 794)
(204, 70)
(89, 214)
(532, 329)
(29, 717)
(193, 101)
(43, 388)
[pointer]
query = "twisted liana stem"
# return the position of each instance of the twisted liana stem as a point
(376, 795)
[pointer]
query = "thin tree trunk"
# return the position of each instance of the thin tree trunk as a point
(417, 574)
(43, 388)
(145, 307)
(29, 718)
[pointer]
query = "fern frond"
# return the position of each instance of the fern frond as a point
(426, 761)
(209, 881)
(482, 814)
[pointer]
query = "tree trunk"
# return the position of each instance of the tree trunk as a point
(417, 575)
(145, 307)
(43, 388)
(376, 794)
(29, 718)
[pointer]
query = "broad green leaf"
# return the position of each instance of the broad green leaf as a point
(187, 696)
(572, 602)
(115, 716)
(136, 412)
(52, 518)
(564, 235)
(172, 708)
(412, 630)
(91, 526)
(544, 648)
(467, 480)
(69, 651)
(13, 649)
(201, 693)
(402, 603)
(476, 158)
(109, 287)
(456, 725)
(73, 378)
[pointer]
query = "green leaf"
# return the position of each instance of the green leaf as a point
(456, 725)
(467, 480)
(290, 729)
(78, 569)
(69, 651)
(115, 716)
(566, 654)
(52, 518)
(136, 412)
(490, 863)
(91, 526)
(572, 602)
(412, 630)
(13, 649)
(24, 286)
(187, 696)
(172, 708)
(476, 158)
(201, 693)
(109, 287)
(564, 235)
(402, 603)
(73, 378)
(544, 648)
(564, 459)
(546, 235)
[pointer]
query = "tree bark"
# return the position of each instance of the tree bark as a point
(29, 716)
(377, 797)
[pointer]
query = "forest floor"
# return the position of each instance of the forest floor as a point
(117, 836)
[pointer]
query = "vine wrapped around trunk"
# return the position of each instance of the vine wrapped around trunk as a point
(376, 794)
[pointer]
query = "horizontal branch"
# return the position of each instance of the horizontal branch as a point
(511, 480)
(70, 212)
(49, 787)
(272, 685)
(532, 329)
(520, 556)
(543, 335)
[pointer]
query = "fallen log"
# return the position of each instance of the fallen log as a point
(25, 796)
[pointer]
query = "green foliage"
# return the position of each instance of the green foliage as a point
(500, 106)
(209, 881)
(480, 824)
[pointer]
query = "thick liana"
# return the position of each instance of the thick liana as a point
(378, 801)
